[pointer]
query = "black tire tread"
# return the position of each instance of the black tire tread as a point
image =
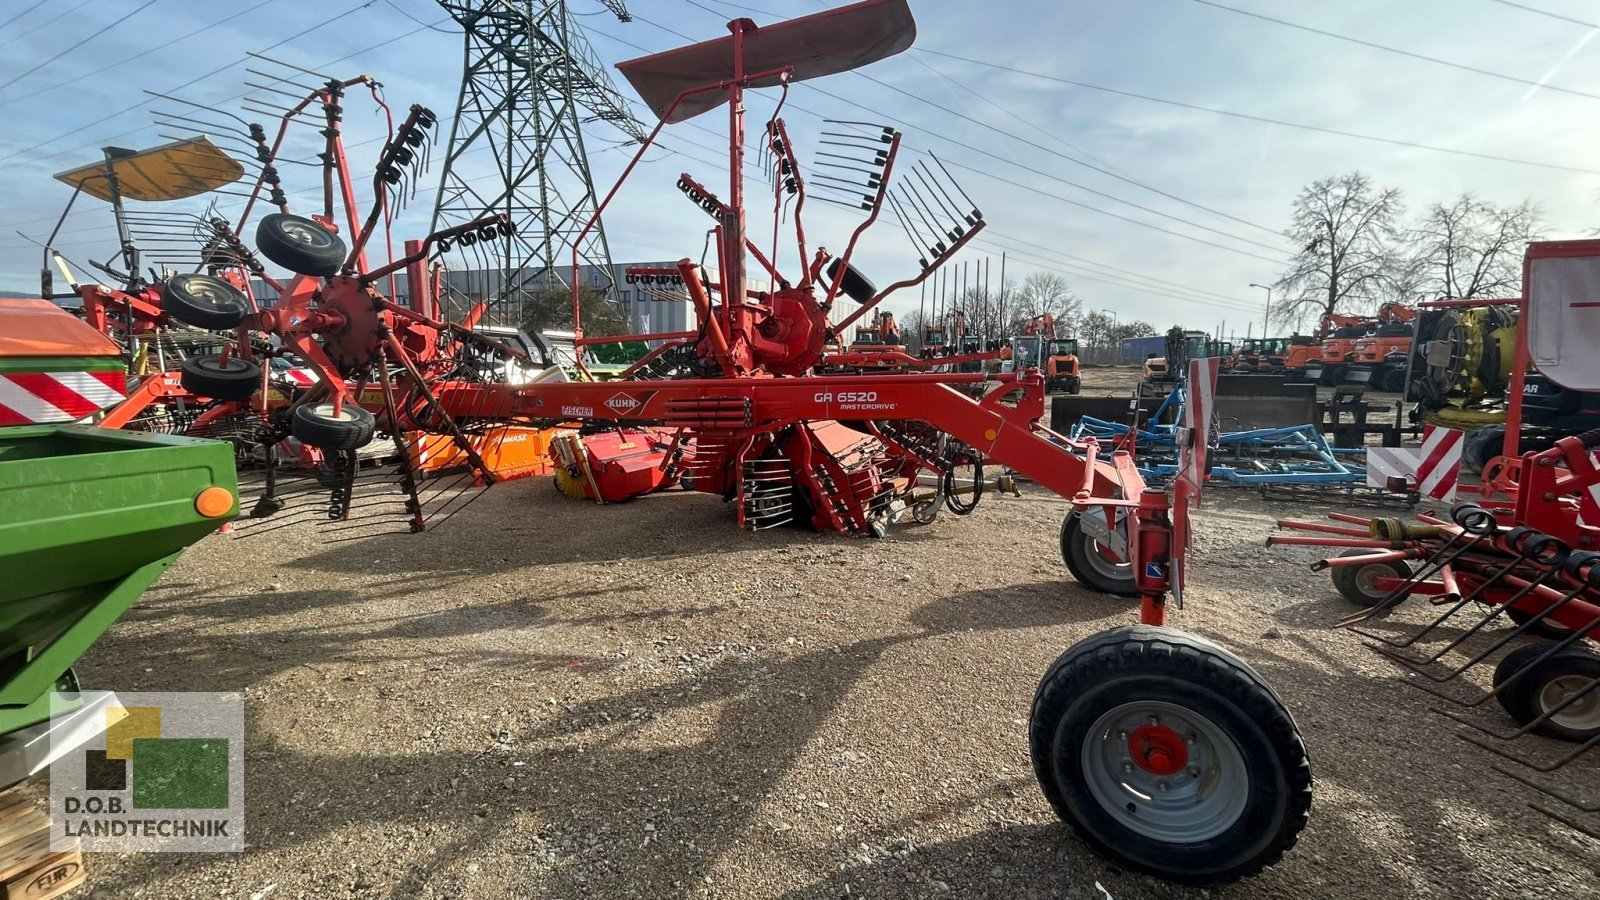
(1344, 578)
(323, 262)
(318, 432)
(1082, 574)
(176, 303)
(1201, 661)
(199, 376)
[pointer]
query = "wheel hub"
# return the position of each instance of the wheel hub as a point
(1158, 749)
(1165, 771)
(1583, 714)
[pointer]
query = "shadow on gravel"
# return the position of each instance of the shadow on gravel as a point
(596, 768)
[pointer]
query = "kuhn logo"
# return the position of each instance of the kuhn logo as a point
(622, 402)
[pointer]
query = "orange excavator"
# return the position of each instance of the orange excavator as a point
(880, 337)
(1379, 359)
(1308, 358)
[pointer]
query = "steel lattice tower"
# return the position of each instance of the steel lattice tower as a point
(530, 81)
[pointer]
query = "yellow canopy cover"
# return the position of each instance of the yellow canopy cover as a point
(169, 172)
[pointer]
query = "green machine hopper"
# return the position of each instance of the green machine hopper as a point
(89, 517)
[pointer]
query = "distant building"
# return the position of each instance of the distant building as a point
(650, 308)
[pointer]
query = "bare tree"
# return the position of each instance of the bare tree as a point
(1347, 234)
(1046, 293)
(1095, 330)
(1472, 248)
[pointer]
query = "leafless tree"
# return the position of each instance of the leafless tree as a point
(1472, 248)
(1347, 233)
(1046, 293)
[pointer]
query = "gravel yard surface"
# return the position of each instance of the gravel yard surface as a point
(553, 699)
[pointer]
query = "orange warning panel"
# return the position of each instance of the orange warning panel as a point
(512, 452)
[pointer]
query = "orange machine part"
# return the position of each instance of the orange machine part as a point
(511, 452)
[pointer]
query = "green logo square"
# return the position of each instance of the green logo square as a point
(180, 773)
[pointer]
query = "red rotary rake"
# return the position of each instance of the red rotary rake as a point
(1518, 581)
(1163, 751)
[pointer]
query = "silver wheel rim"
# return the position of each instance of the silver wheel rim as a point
(1583, 714)
(1366, 575)
(1098, 557)
(325, 411)
(1201, 799)
(301, 233)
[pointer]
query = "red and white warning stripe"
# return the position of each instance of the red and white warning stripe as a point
(48, 397)
(1438, 461)
(1589, 498)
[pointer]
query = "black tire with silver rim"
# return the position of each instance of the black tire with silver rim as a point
(316, 424)
(1357, 583)
(1168, 754)
(1534, 683)
(1095, 565)
(220, 379)
(202, 301)
(301, 245)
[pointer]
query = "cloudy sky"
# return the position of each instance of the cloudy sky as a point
(1072, 123)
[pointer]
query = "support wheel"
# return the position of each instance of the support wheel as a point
(1170, 755)
(202, 301)
(301, 245)
(1094, 566)
(220, 379)
(1545, 680)
(1547, 627)
(351, 429)
(1355, 583)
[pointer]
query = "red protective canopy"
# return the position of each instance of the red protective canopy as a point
(835, 40)
(41, 328)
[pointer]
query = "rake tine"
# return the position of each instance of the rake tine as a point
(1542, 719)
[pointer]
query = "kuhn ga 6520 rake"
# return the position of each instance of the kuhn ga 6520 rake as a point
(1164, 751)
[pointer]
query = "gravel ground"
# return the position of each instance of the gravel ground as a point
(552, 699)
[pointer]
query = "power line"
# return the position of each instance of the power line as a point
(1545, 12)
(1395, 50)
(36, 5)
(984, 153)
(142, 55)
(82, 128)
(1254, 118)
(1052, 151)
(78, 44)
(64, 13)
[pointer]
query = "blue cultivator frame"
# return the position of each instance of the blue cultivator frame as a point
(1292, 455)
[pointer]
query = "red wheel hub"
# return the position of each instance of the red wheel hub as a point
(1158, 750)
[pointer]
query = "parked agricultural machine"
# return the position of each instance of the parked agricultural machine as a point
(1162, 750)
(1517, 581)
(92, 518)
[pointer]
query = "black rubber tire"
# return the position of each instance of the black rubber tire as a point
(1075, 552)
(1545, 628)
(1074, 384)
(219, 379)
(301, 245)
(964, 504)
(313, 425)
(1140, 662)
(1482, 445)
(854, 285)
(1521, 698)
(1394, 381)
(1349, 580)
(203, 301)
